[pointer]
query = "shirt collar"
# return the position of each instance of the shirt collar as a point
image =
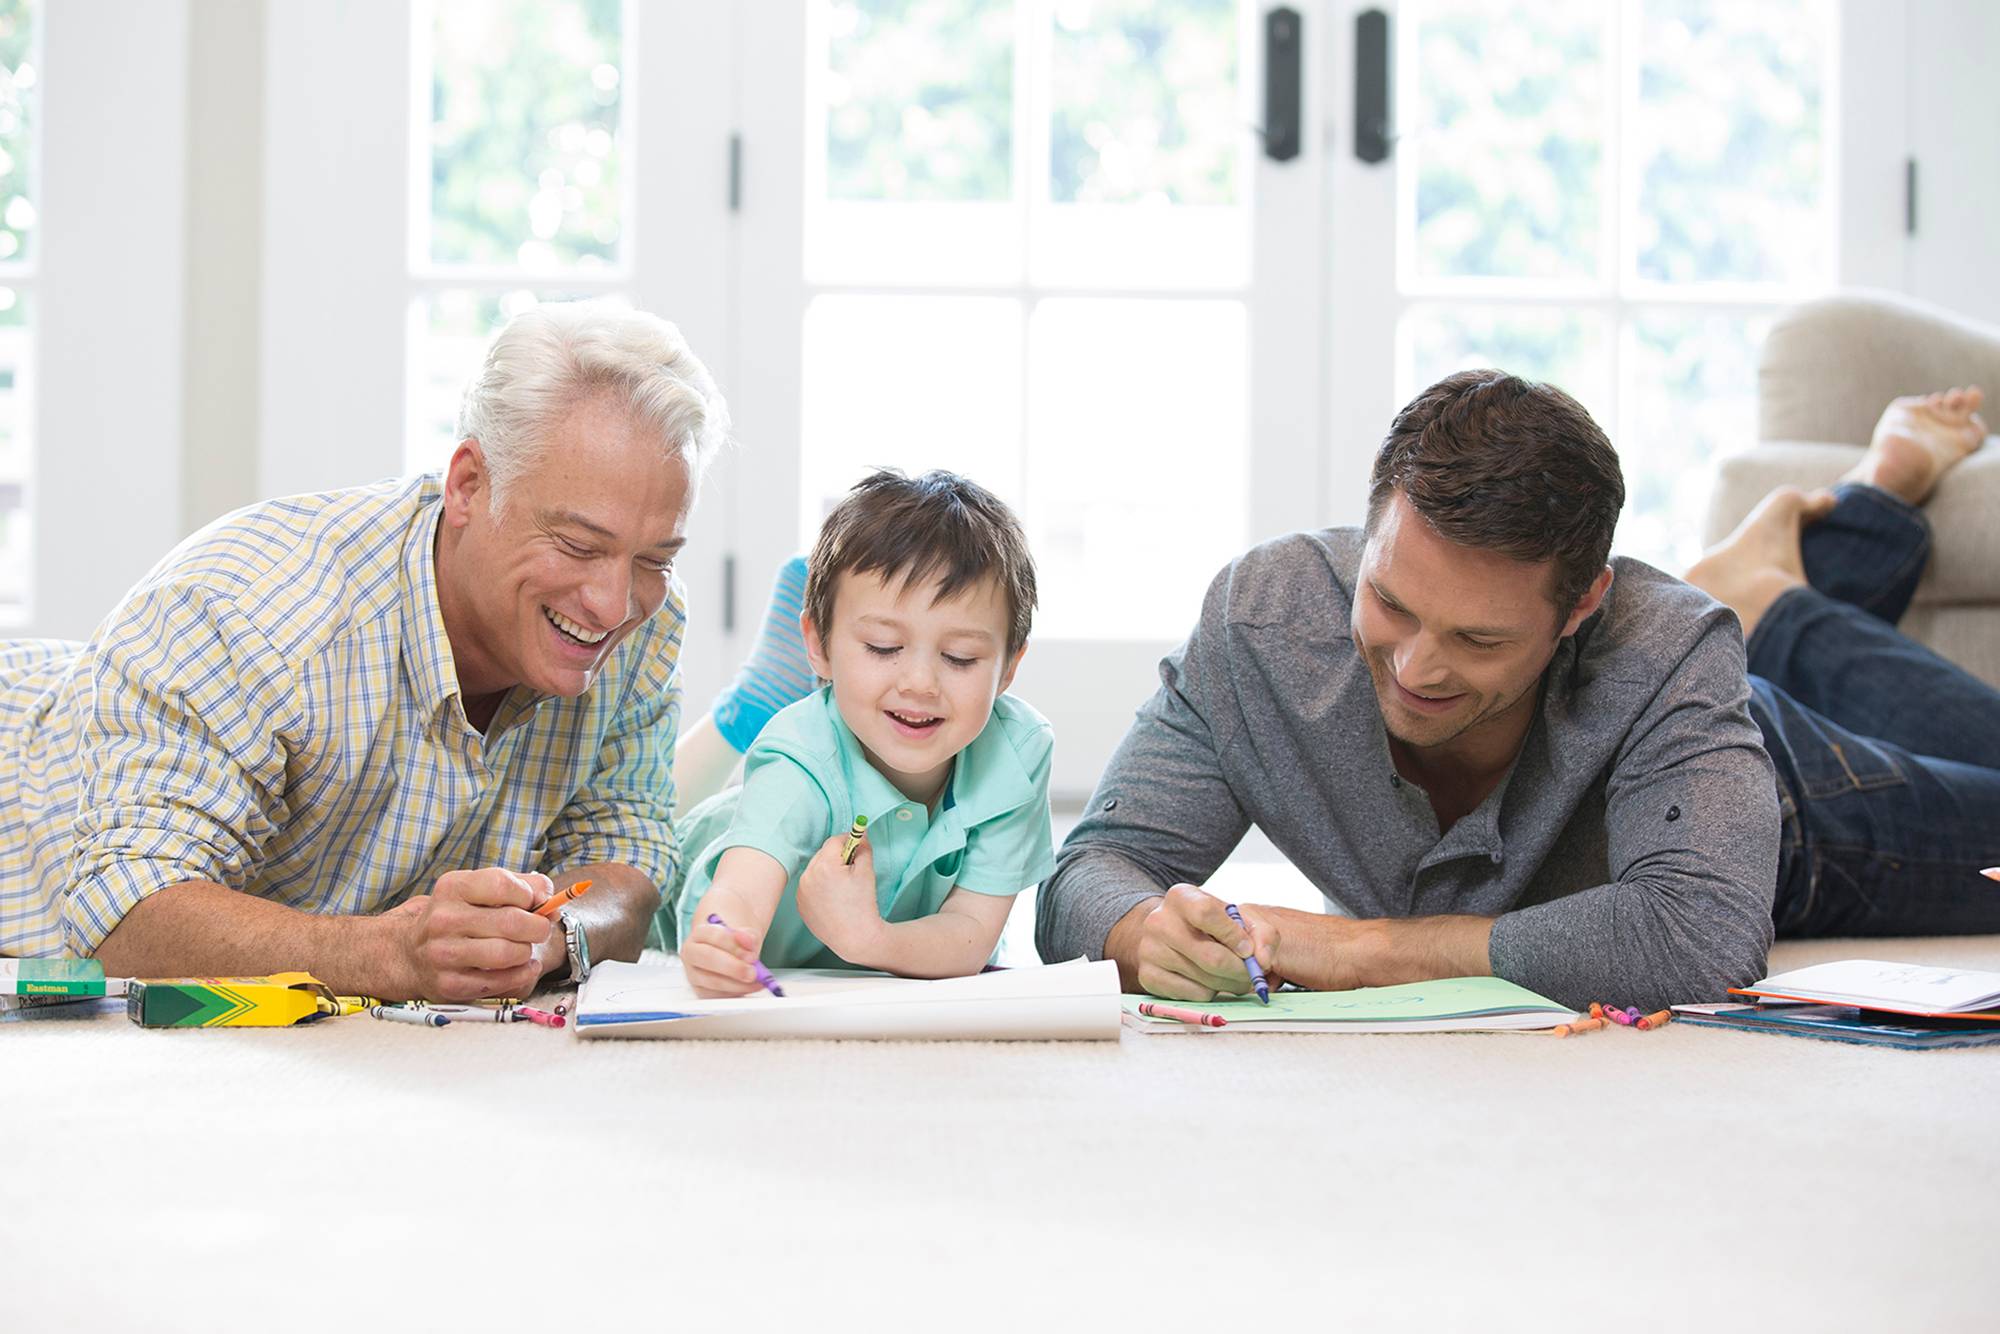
(427, 658)
(987, 777)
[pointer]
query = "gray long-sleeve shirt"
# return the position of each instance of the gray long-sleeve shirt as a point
(1630, 855)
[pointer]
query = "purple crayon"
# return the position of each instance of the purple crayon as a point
(764, 977)
(1256, 969)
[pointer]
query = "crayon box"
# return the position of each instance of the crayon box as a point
(277, 1001)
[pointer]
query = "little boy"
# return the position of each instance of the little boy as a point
(917, 610)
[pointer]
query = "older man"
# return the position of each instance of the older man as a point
(1500, 758)
(366, 732)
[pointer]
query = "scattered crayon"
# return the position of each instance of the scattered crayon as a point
(1590, 1025)
(1618, 1016)
(1657, 1019)
(542, 1017)
(1596, 1010)
(1154, 1010)
(403, 1014)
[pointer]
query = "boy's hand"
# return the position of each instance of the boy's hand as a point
(837, 902)
(717, 959)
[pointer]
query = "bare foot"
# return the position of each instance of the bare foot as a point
(1918, 439)
(1749, 569)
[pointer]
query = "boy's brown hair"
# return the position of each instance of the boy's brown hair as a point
(915, 529)
(1504, 464)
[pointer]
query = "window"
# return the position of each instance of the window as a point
(522, 164)
(1027, 256)
(1616, 198)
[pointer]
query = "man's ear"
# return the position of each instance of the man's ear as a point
(466, 483)
(1007, 677)
(1587, 605)
(815, 647)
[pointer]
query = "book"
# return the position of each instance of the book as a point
(1893, 988)
(1051, 1001)
(53, 977)
(1447, 1005)
(1843, 1023)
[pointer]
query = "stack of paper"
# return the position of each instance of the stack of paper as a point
(1455, 1004)
(1898, 988)
(1066, 1000)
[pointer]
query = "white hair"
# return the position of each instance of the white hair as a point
(551, 357)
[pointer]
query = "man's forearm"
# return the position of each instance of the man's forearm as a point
(202, 929)
(616, 913)
(1326, 953)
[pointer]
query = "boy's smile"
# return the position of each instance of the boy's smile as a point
(914, 678)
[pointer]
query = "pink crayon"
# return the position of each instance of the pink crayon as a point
(1625, 1017)
(1155, 1010)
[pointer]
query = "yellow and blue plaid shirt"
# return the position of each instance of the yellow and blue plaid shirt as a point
(275, 708)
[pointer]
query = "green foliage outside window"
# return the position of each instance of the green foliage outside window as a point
(527, 169)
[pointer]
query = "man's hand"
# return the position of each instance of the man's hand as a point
(1188, 949)
(837, 902)
(474, 936)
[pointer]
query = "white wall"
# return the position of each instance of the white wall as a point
(108, 303)
(1954, 130)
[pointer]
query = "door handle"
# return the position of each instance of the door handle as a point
(1282, 47)
(1374, 133)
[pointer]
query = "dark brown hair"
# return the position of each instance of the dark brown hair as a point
(914, 529)
(1504, 464)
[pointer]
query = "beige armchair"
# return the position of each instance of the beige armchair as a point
(1827, 370)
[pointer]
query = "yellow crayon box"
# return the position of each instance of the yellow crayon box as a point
(277, 1001)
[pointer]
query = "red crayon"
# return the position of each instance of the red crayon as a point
(1656, 1019)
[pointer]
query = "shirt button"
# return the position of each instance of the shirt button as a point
(903, 813)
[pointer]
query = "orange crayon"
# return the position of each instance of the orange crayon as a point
(1590, 1025)
(1657, 1019)
(1596, 1010)
(562, 896)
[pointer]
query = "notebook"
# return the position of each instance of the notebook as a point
(1897, 988)
(1052, 1001)
(1454, 1004)
(1843, 1023)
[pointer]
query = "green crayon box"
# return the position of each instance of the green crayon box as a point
(277, 1001)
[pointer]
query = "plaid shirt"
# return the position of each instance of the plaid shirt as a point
(275, 708)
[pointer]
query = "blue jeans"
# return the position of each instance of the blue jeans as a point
(1888, 756)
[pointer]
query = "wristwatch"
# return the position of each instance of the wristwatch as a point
(578, 945)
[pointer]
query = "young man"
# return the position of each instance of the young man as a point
(1501, 754)
(364, 733)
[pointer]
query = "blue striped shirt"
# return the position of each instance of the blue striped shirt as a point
(275, 708)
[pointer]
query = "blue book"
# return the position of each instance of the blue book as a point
(1844, 1023)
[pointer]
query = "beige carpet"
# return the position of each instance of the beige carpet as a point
(362, 1176)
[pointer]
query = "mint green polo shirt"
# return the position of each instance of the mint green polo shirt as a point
(806, 778)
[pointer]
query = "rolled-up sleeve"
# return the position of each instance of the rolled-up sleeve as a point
(1691, 817)
(1163, 813)
(624, 813)
(191, 716)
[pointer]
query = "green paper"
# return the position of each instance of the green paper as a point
(1446, 998)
